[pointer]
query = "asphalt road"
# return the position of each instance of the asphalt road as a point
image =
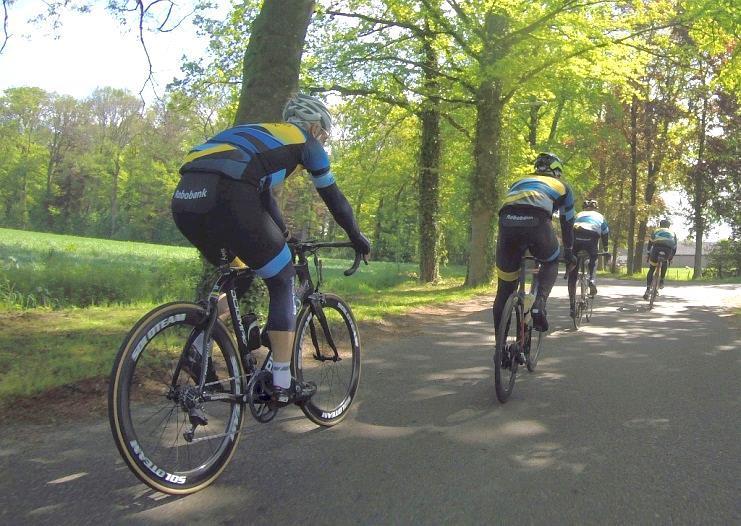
(635, 419)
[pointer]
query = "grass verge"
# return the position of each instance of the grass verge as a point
(42, 350)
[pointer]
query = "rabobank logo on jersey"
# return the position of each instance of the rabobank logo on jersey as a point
(192, 194)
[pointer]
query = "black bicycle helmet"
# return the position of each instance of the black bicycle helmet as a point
(590, 203)
(548, 164)
(665, 223)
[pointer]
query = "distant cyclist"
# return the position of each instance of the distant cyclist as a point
(589, 227)
(224, 201)
(664, 241)
(525, 223)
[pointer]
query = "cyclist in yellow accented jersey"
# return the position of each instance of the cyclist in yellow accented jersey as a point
(224, 201)
(663, 241)
(525, 223)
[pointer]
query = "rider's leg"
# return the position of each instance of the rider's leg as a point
(508, 258)
(545, 247)
(504, 290)
(664, 268)
(281, 323)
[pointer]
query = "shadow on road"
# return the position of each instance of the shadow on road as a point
(621, 421)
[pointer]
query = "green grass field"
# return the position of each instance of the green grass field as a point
(91, 291)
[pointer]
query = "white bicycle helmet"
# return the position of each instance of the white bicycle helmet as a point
(302, 109)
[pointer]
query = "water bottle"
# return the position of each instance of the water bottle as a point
(529, 300)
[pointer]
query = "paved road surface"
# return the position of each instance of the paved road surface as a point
(634, 419)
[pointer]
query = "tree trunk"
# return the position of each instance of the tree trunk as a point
(487, 156)
(272, 61)
(556, 118)
(633, 182)
(114, 194)
(429, 175)
(699, 191)
(532, 125)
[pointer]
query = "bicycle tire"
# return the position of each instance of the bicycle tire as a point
(532, 357)
(147, 365)
(504, 363)
(337, 381)
(588, 308)
(654, 288)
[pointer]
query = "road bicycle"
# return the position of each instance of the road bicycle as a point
(661, 258)
(584, 303)
(514, 344)
(176, 412)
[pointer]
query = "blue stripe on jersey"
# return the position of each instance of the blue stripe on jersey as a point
(269, 141)
(276, 264)
(271, 180)
(230, 137)
(323, 181)
(567, 212)
(534, 184)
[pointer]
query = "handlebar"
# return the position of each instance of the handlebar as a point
(313, 246)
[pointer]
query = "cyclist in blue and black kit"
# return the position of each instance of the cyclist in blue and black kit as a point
(525, 223)
(662, 241)
(589, 228)
(224, 201)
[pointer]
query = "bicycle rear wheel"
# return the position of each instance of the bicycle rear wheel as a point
(589, 305)
(336, 375)
(151, 388)
(507, 348)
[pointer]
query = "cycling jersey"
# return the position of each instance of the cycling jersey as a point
(262, 155)
(546, 193)
(663, 237)
(591, 220)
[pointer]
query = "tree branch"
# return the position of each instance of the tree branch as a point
(563, 58)
(450, 31)
(457, 126)
(5, 26)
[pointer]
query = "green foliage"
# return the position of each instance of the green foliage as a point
(725, 259)
(55, 271)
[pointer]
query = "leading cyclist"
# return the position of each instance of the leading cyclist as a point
(525, 223)
(224, 201)
(663, 241)
(589, 228)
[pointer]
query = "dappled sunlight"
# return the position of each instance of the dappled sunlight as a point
(68, 478)
(659, 424)
(194, 509)
(458, 375)
(548, 455)
(518, 429)
(425, 393)
(378, 431)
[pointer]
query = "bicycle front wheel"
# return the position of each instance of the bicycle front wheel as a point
(533, 353)
(654, 289)
(508, 346)
(335, 371)
(154, 392)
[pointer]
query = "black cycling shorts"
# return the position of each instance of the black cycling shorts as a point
(522, 229)
(653, 258)
(587, 241)
(215, 213)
